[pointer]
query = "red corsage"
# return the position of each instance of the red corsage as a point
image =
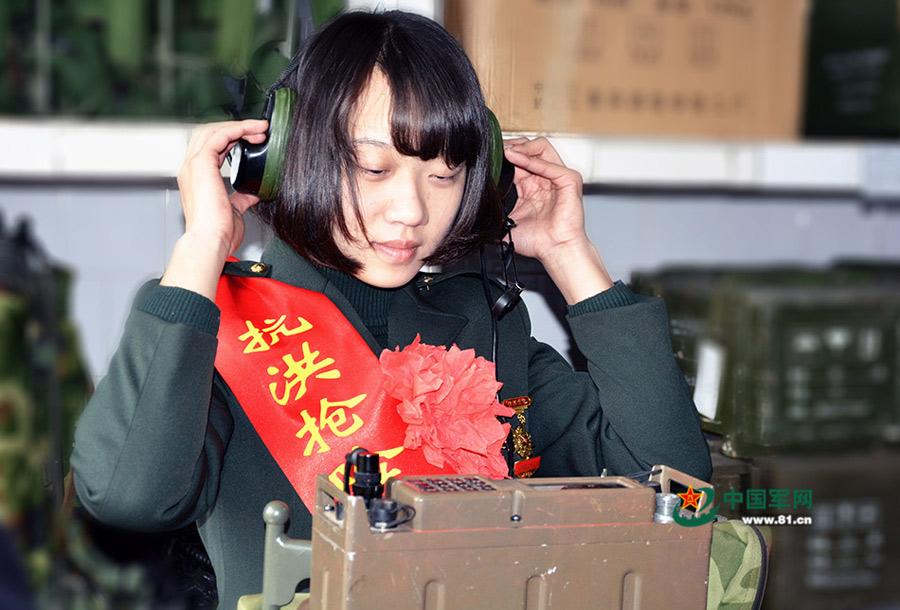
(448, 399)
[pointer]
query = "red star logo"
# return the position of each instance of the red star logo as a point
(690, 498)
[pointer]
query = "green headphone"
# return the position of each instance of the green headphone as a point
(258, 168)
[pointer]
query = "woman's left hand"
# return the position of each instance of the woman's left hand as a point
(549, 217)
(549, 213)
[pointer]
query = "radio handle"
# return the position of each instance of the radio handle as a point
(664, 475)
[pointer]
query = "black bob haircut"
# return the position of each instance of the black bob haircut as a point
(437, 111)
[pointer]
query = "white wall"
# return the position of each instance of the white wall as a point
(647, 232)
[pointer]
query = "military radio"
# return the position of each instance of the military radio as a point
(466, 541)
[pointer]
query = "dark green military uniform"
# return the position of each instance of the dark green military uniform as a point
(164, 442)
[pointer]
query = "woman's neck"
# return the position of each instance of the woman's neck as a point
(370, 302)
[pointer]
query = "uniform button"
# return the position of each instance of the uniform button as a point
(258, 267)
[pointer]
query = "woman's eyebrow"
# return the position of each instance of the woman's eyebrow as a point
(372, 142)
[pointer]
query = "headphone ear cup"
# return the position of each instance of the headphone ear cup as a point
(502, 171)
(257, 169)
(279, 135)
(496, 153)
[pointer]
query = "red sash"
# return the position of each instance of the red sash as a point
(308, 382)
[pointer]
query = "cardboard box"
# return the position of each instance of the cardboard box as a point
(730, 68)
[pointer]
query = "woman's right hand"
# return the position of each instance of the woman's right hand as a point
(214, 223)
(209, 213)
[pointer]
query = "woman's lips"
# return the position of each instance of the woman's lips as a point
(397, 250)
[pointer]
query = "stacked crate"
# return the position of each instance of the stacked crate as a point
(795, 374)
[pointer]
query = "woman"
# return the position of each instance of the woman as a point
(387, 171)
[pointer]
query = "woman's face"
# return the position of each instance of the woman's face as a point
(407, 204)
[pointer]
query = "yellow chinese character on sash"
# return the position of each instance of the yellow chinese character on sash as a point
(333, 421)
(338, 417)
(277, 327)
(315, 435)
(298, 371)
(256, 340)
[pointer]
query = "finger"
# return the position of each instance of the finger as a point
(223, 141)
(557, 173)
(220, 137)
(256, 138)
(514, 142)
(538, 147)
(201, 134)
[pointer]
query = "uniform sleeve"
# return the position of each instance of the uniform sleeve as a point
(150, 444)
(631, 410)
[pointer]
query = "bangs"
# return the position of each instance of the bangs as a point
(432, 128)
(433, 113)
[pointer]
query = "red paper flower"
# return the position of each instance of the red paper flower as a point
(448, 399)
